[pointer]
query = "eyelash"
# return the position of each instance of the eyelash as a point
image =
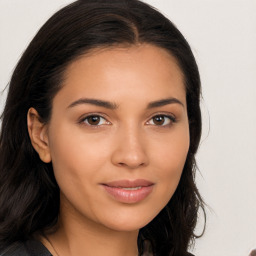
(84, 120)
(171, 118)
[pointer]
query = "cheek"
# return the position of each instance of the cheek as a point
(78, 160)
(76, 164)
(169, 159)
(70, 148)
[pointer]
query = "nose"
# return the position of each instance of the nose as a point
(130, 150)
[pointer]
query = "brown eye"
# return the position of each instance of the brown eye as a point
(95, 120)
(161, 120)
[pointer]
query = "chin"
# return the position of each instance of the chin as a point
(128, 222)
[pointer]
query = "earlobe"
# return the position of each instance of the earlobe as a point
(38, 135)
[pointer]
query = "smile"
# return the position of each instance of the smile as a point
(126, 191)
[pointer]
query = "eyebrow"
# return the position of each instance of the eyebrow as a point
(112, 105)
(163, 102)
(96, 102)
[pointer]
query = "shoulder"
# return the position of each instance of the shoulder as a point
(28, 248)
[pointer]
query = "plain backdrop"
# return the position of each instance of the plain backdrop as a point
(222, 34)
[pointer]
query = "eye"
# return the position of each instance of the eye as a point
(94, 120)
(161, 120)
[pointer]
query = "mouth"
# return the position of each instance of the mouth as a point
(129, 191)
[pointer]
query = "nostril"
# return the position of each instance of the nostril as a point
(131, 165)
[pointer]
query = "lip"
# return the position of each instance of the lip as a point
(129, 191)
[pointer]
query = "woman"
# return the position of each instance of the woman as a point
(99, 135)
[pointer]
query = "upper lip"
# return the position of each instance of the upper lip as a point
(129, 183)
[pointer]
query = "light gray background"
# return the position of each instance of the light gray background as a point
(222, 34)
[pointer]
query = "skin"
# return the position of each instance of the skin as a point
(128, 143)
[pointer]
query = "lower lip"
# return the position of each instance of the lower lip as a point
(128, 196)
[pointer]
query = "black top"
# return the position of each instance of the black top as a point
(28, 248)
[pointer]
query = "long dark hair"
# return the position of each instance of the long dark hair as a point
(29, 194)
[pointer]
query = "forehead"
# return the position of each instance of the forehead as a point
(106, 72)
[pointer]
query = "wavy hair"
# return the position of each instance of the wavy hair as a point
(29, 194)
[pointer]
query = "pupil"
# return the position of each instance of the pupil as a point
(159, 120)
(93, 120)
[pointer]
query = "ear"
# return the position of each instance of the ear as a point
(38, 135)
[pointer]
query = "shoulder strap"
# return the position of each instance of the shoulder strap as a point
(36, 248)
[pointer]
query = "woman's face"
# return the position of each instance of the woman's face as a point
(119, 136)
